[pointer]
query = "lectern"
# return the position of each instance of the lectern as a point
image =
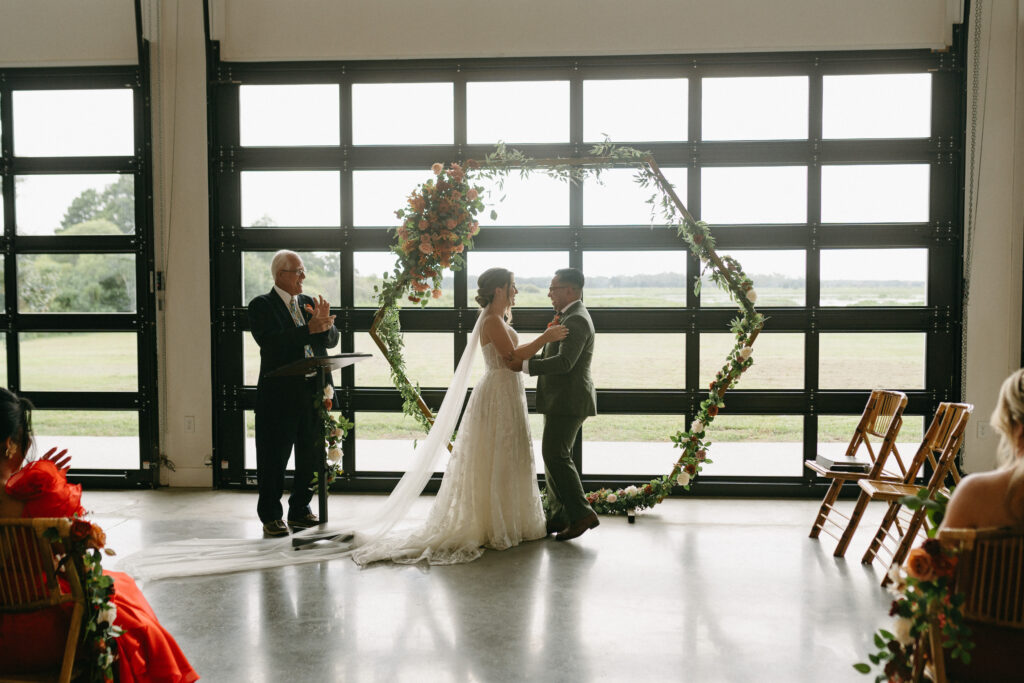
(320, 366)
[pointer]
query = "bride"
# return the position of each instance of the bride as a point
(488, 497)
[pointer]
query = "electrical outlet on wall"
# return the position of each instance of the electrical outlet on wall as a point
(984, 430)
(190, 423)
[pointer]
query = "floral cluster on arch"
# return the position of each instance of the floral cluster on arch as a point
(438, 225)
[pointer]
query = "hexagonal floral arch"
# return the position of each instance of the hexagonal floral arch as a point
(438, 226)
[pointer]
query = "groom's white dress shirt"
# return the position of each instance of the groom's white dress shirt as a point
(526, 363)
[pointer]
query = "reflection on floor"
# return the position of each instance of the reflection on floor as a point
(696, 590)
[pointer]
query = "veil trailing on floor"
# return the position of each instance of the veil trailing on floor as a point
(198, 557)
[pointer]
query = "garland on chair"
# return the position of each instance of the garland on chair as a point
(438, 225)
(87, 547)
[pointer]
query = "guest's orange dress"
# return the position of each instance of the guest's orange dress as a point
(146, 651)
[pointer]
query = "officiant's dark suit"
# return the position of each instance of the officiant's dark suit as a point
(566, 397)
(285, 406)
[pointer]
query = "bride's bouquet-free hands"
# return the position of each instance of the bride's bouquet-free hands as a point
(554, 333)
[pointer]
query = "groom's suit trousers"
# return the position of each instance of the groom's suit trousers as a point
(566, 499)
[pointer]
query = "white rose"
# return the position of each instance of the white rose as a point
(328, 391)
(108, 613)
(752, 296)
(631, 490)
(696, 427)
(336, 432)
(745, 352)
(612, 498)
(901, 630)
(683, 479)
(334, 455)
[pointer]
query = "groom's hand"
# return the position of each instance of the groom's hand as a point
(514, 364)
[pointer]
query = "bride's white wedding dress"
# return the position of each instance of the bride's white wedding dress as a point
(488, 497)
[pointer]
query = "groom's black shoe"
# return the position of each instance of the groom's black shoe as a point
(304, 522)
(578, 527)
(554, 526)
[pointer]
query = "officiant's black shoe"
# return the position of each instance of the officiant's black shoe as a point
(275, 528)
(554, 526)
(304, 522)
(578, 527)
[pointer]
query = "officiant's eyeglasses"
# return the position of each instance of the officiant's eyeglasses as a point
(301, 272)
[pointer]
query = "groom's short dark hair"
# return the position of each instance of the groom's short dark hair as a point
(571, 277)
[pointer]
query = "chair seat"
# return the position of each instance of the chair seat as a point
(887, 490)
(845, 475)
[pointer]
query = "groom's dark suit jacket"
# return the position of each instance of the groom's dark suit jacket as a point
(564, 384)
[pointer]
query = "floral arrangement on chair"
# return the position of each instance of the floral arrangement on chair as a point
(924, 599)
(88, 545)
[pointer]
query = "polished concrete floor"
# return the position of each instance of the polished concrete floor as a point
(696, 590)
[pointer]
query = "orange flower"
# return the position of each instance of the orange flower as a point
(418, 204)
(403, 234)
(423, 225)
(472, 163)
(328, 403)
(97, 539)
(437, 293)
(426, 247)
(450, 223)
(446, 261)
(437, 168)
(920, 566)
(414, 299)
(459, 248)
(474, 228)
(472, 194)
(409, 246)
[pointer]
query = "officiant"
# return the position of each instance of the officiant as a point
(288, 326)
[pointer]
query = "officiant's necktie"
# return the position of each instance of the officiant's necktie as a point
(293, 308)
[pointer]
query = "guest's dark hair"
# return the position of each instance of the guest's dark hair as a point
(15, 419)
(571, 277)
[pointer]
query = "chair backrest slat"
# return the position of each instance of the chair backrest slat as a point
(990, 573)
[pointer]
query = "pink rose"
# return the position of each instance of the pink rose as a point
(450, 223)
(426, 248)
(474, 228)
(423, 225)
(437, 168)
(471, 195)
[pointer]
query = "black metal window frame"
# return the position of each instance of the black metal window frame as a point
(941, 235)
(140, 244)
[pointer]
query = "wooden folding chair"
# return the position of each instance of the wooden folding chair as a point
(28, 582)
(939, 449)
(882, 419)
(990, 575)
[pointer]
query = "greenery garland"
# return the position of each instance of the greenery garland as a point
(87, 547)
(443, 214)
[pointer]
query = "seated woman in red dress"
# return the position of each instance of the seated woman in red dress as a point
(34, 641)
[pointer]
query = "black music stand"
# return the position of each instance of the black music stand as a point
(320, 365)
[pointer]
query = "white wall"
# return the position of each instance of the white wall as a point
(994, 311)
(350, 29)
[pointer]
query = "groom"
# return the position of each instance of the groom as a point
(565, 396)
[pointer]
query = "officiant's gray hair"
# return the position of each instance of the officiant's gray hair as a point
(280, 260)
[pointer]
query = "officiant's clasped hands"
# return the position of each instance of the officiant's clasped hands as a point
(322, 319)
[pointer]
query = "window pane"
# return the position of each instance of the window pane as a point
(429, 360)
(760, 108)
(780, 278)
(291, 198)
(537, 200)
(533, 271)
(835, 431)
(635, 278)
(756, 445)
(517, 111)
(874, 277)
(878, 193)
(640, 361)
(778, 361)
(74, 123)
(97, 439)
(629, 444)
(872, 360)
(250, 360)
(765, 194)
(877, 106)
(288, 115)
(635, 109)
(385, 441)
(376, 195)
(619, 200)
(323, 275)
(75, 204)
(370, 266)
(78, 283)
(3, 359)
(403, 113)
(79, 361)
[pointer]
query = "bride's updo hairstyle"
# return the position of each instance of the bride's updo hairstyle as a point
(15, 420)
(490, 280)
(1006, 418)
